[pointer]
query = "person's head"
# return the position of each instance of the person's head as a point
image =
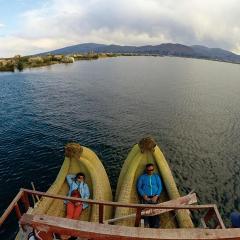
(80, 177)
(149, 168)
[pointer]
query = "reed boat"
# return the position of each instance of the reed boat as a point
(77, 159)
(141, 154)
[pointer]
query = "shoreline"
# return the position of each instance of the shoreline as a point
(19, 63)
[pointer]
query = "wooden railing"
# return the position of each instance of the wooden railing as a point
(24, 194)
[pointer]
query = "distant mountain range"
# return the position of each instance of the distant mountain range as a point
(165, 49)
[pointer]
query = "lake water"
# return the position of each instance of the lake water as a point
(191, 107)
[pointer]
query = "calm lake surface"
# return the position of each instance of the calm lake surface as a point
(191, 107)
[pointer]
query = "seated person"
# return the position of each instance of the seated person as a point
(77, 188)
(149, 187)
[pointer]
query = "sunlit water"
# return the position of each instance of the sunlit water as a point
(191, 107)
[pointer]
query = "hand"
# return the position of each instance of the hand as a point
(145, 197)
(78, 203)
(154, 199)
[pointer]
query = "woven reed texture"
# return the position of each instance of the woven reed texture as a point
(184, 220)
(133, 167)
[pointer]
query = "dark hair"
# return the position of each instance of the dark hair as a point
(149, 165)
(80, 174)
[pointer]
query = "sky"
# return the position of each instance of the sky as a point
(34, 26)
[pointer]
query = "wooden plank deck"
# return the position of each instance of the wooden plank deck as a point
(92, 230)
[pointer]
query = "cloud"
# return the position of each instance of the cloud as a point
(2, 25)
(10, 46)
(58, 23)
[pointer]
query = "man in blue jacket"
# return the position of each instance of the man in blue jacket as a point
(149, 187)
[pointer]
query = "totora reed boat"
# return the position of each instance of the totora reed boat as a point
(121, 219)
(77, 159)
(141, 154)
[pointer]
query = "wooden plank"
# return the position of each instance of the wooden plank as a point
(188, 199)
(10, 207)
(33, 187)
(17, 210)
(119, 204)
(103, 231)
(101, 211)
(219, 218)
(138, 217)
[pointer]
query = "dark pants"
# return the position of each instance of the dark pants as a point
(152, 221)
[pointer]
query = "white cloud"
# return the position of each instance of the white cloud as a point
(59, 23)
(10, 46)
(2, 25)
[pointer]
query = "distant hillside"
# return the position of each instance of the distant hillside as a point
(165, 49)
(216, 53)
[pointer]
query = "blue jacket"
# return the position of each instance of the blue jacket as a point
(81, 186)
(149, 185)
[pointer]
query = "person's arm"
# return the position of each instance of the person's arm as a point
(139, 186)
(159, 184)
(70, 178)
(86, 191)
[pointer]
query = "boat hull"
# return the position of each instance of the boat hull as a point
(78, 159)
(133, 167)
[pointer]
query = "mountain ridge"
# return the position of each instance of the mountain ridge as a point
(164, 49)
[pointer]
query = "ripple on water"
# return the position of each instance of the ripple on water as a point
(108, 105)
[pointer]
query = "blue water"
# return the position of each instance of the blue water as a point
(191, 107)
